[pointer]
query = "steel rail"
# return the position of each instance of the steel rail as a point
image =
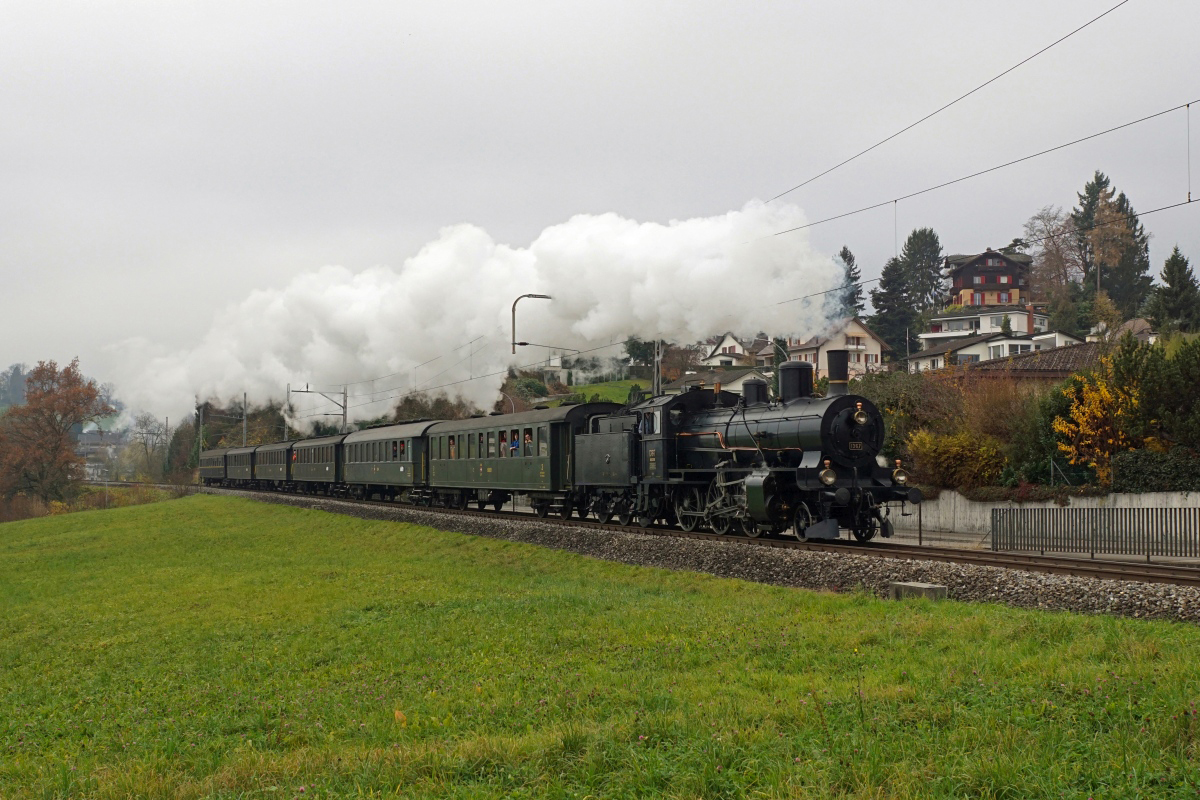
(1116, 570)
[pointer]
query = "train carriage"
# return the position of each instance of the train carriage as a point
(239, 465)
(212, 466)
(316, 464)
(273, 464)
(389, 461)
(490, 459)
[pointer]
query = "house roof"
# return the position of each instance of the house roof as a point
(720, 339)
(1058, 362)
(838, 327)
(961, 259)
(1138, 326)
(957, 343)
(712, 377)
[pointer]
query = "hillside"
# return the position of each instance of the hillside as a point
(211, 646)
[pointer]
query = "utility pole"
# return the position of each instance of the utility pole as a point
(344, 405)
(200, 435)
(243, 419)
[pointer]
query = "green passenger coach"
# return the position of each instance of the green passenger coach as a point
(489, 459)
(316, 463)
(389, 461)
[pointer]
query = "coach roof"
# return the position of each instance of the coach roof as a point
(538, 416)
(409, 430)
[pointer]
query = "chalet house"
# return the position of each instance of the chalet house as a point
(986, 347)
(730, 380)
(968, 321)
(990, 278)
(865, 346)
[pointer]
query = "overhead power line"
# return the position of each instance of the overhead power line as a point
(1015, 161)
(948, 105)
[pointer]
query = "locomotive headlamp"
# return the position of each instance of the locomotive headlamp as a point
(827, 475)
(860, 416)
(899, 477)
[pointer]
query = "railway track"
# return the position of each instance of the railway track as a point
(1176, 574)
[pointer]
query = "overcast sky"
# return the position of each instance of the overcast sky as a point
(160, 160)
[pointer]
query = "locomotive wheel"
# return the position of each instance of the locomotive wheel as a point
(803, 521)
(566, 510)
(624, 512)
(604, 511)
(720, 524)
(689, 501)
(750, 527)
(583, 509)
(867, 533)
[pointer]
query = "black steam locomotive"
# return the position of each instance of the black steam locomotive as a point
(804, 465)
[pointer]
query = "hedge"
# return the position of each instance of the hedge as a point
(1148, 471)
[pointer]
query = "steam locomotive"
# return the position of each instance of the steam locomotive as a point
(806, 466)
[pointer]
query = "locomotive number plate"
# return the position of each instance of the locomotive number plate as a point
(856, 445)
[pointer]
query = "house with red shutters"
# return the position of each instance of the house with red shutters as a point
(990, 278)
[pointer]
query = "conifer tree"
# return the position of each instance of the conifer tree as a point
(1176, 304)
(922, 262)
(851, 297)
(895, 311)
(1113, 247)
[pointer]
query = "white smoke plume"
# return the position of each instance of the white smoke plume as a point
(609, 278)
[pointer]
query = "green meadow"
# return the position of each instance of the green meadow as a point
(217, 647)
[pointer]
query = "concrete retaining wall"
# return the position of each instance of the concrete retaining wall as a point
(953, 512)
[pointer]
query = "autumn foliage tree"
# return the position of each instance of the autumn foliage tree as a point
(37, 455)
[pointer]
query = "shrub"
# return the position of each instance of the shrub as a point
(1148, 471)
(954, 461)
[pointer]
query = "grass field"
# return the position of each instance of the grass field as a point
(612, 391)
(214, 647)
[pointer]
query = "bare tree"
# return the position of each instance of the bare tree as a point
(150, 436)
(1056, 263)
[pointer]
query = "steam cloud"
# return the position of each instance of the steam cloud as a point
(609, 277)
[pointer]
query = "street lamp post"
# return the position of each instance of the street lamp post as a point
(514, 316)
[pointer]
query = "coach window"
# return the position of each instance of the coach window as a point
(453, 448)
(527, 443)
(502, 449)
(543, 441)
(491, 451)
(403, 451)
(470, 445)
(482, 449)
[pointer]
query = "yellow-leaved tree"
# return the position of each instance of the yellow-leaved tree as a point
(1100, 421)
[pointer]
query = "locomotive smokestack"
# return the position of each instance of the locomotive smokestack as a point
(754, 392)
(795, 380)
(839, 371)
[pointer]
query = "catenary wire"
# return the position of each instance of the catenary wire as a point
(895, 200)
(951, 103)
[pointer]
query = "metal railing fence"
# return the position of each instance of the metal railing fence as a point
(1165, 532)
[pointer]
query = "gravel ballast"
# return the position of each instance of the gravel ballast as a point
(806, 569)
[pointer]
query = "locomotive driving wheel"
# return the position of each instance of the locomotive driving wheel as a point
(689, 509)
(719, 522)
(803, 521)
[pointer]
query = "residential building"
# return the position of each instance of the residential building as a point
(864, 345)
(730, 351)
(990, 278)
(957, 323)
(729, 380)
(985, 347)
